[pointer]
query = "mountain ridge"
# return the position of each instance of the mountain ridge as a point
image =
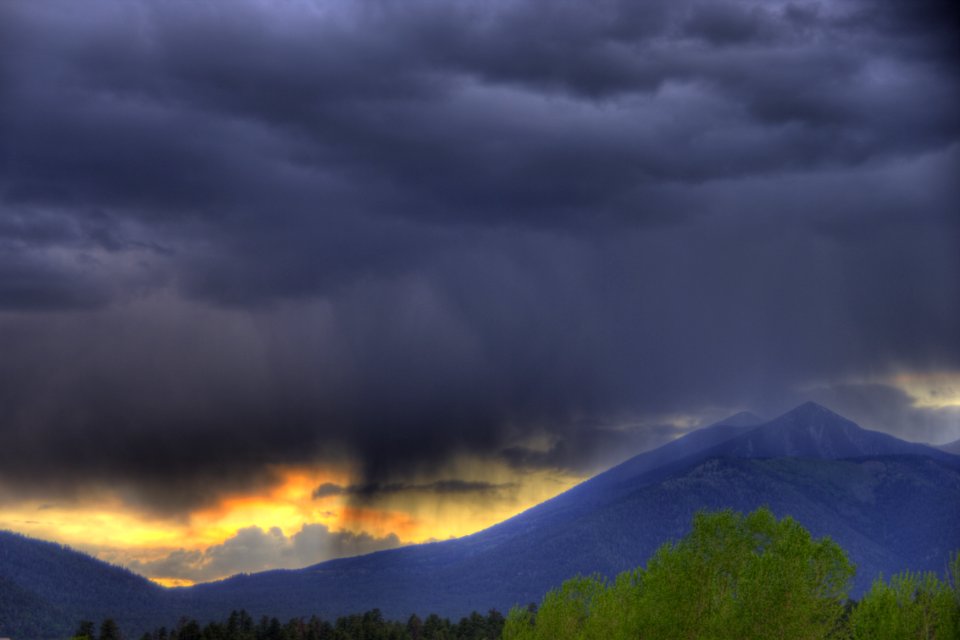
(951, 447)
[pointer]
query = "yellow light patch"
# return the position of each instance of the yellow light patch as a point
(106, 527)
(173, 582)
(419, 516)
(287, 505)
(100, 524)
(937, 390)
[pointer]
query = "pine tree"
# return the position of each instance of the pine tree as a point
(109, 630)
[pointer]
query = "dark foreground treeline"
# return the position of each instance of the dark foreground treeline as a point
(366, 626)
(733, 577)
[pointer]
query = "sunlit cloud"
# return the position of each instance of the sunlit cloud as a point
(254, 549)
(307, 516)
(930, 390)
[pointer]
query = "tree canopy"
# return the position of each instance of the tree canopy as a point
(733, 576)
(912, 605)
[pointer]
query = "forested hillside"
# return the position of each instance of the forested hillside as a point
(45, 587)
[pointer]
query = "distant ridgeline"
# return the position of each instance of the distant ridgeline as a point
(891, 505)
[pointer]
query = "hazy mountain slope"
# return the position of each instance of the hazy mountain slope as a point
(24, 614)
(813, 431)
(605, 486)
(951, 447)
(679, 449)
(808, 431)
(890, 513)
(46, 586)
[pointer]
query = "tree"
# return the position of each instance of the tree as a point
(614, 614)
(414, 627)
(86, 629)
(109, 630)
(436, 628)
(912, 605)
(564, 611)
(732, 577)
(494, 624)
(751, 576)
(519, 624)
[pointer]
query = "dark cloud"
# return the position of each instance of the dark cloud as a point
(234, 237)
(588, 446)
(730, 23)
(438, 488)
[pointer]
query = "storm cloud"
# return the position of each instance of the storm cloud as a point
(236, 235)
(439, 487)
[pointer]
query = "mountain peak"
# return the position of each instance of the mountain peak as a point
(811, 415)
(813, 431)
(810, 408)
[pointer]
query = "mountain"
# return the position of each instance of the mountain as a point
(45, 589)
(813, 431)
(608, 485)
(951, 447)
(893, 505)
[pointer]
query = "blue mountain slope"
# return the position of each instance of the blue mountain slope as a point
(813, 431)
(888, 512)
(951, 447)
(605, 487)
(57, 585)
(679, 449)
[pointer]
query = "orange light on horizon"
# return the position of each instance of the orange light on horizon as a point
(172, 582)
(104, 526)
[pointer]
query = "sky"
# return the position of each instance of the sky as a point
(286, 281)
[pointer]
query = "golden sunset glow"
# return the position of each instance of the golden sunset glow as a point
(173, 582)
(115, 532)
(287, 505)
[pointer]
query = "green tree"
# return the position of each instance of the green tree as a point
(912, 605)
(614, 611)
(564, 612)
(519, 624)
(738, 576)
(732, 577)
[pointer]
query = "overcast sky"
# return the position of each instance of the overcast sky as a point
(242, 235)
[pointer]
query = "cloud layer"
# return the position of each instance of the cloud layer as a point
(240, 234)
(253, 549)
